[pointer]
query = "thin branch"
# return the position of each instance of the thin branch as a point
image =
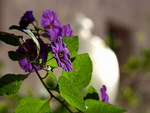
(45, 76)
(36, 22)
(51, 94)
(38, 35)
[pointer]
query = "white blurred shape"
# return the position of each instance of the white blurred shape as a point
(105, 64)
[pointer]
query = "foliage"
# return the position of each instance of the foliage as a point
(94, 106)
(82, 66)
(91, 93)
(10, 83)
(135, 64)
(33, 105)
(34, 55)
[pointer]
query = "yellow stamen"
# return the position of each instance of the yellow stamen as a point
(25, 19)
(50, 26)
(60, 55)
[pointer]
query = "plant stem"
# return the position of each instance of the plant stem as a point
(45, 76)
(51, 94)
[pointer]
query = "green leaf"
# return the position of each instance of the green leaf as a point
(71, 93)
(16, 28)
(91, 93)
(10, 83)
(95, 106)
(82, 71)
(45, 35)
(52, 75)
(33, 105)
(8, 38)
(39, 28)
(61, 109)
(51, 61)
(34, 40)
(72, 43)
(15, 56)
(51, 81)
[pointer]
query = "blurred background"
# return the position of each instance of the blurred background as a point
(124, 26)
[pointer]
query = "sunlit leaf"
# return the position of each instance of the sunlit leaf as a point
(95, 106)
(82, 71)
(71, 93)
(51, 61)
(72, 44)
(33, 105)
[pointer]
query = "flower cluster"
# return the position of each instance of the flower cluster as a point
(29, 50)
(46, 49)
(52, 27)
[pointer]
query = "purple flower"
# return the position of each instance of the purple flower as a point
(50, 23)
(26, 19)
(27, 66)
(66, 31)
(61, 54)
(29, 51)
(105, 97)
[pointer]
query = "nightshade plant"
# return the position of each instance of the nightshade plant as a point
(58, 49)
